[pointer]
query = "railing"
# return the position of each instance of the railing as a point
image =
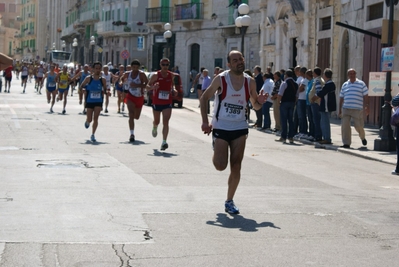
(68, 30)
(159, 15)
(105, 26)
(189, 11)
(89, 16)
(131, 27)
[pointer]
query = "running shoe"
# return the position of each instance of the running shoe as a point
(84, 112)
(123, 108)
(64, 111)
(131, 139)
(87, 125)
(23, 91)
(230, 207)
(154, 132)
(51, 110)
(164, 146)
(106, 110)
(93, 138)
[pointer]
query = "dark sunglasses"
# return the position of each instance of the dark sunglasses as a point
(164, 65)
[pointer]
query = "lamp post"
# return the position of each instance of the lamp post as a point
(167, 35)
(63, 45)
(92, 43)
(75, 48)
(243, 22)
(385, 141)
(53, 48)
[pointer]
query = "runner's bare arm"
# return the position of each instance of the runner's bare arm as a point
(209, 92)
(85, 81)
(151, 84)
(256, 100)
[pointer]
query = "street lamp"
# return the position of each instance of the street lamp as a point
(92, 43)
(167, 35)
(63, 45)
(53, 48)
(243, 22)
(75, 48)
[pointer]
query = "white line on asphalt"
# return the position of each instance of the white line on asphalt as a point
(2, 247)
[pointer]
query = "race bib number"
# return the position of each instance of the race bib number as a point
(135, 91)
(164, 95)
(51, 84)
(95, 95)
(232, 111)
(63, 82)
(126, 86)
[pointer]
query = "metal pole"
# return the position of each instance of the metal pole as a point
(243, 31)
(386, 142)
(92, 54)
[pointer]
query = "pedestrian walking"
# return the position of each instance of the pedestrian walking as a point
(353, 103)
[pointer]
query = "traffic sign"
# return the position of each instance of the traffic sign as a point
(100, 50)
(125, 54)
(377, 81)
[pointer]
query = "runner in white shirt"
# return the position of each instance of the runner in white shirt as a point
(107, 75)
(24, 75)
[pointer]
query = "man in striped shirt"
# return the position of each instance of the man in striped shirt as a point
(353, 100)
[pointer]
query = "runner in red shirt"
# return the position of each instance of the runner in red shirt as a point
(161, 84)
(8, 78)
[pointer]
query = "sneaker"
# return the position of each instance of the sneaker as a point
(164, 146)
(230, 207)
(80, 102)
(346, 146)
(325, 142)
(291, 140)
(278, 133)
(51, 110)
(123, 108)
(364, 142)
(280, 140)
(23, 91)
(106, 110)
(87, 125)
(154, 132)
(394, 172)
(64, 111)
(48, 101)
(119, 111)
(93, 138)
(84, 112)
(131, 139)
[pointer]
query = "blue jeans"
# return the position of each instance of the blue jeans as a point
(266, 114)
(325, 125)
(316, 121)
(303, 123)
(287, 116)
(310, 119)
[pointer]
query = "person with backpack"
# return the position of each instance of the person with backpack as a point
(95, 87)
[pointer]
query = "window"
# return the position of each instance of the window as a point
(325, 24)
(375, 11)
(12, 8)
(2, 7)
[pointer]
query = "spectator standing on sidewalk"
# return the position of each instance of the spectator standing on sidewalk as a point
(276, 101)
(267, 88)
(353, 102)
(318, 84)
(259, 83)
(301, 103)
(328, 104)
(287, 97)
(309, 114)
(395, 106)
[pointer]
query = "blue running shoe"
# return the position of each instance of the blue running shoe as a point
(230, 207)
(87, 125)
(92, 138)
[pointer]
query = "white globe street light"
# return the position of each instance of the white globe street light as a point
(92, 43)
(63, 45)
(242, 22)
(75, 48)
(167, 35)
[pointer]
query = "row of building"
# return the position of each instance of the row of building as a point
(282, 33)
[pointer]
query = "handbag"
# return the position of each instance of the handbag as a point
(395, 118)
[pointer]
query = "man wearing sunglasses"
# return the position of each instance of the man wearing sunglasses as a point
(161, 85)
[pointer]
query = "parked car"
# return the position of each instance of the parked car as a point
(178, 99)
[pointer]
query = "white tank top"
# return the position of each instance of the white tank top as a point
(230, 105)
(135, 91)
(107, 79)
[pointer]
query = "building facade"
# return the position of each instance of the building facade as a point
(10, 29)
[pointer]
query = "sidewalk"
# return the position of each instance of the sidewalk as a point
(357, 149)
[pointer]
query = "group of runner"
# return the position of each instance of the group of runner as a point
(94, 89)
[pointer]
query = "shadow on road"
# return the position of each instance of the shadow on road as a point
(136, 142)
(239, 222)
(158, 153)
(89, 142)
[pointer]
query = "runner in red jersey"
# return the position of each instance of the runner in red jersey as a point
(161, 84)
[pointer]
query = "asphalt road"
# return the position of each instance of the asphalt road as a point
(65, 201)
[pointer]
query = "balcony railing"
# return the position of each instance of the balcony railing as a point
(68, 30)
(105, 26)
(130, 28)
(189, 12)
(159, 15)
(89, 16)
